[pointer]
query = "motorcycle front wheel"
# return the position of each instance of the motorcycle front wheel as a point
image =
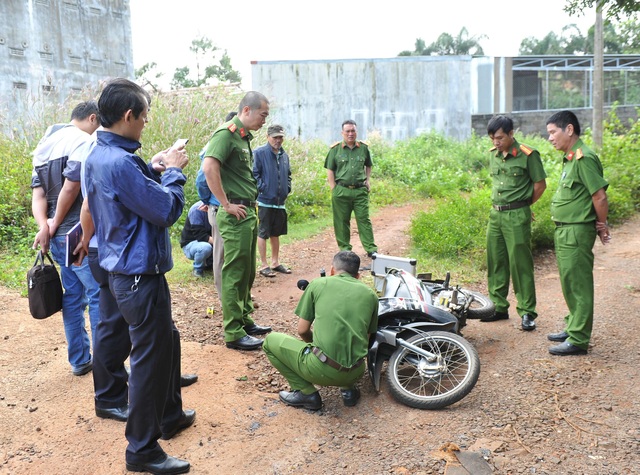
(433, 383)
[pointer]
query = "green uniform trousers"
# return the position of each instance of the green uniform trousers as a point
(238, 270)
(509, 256)
(574, 254)
(344, 201)
(303, 369)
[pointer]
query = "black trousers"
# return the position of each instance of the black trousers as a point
(112, 345)
(155, 401)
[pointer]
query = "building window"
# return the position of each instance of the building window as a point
(16, 52)
(48, 88)
(46, 56)
(19, 85)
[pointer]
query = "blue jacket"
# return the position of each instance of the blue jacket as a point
(132, 207)
(202, 188)
(273, 175)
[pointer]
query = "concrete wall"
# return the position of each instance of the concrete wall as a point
(534, 122)
(398, 97)
(54, 48)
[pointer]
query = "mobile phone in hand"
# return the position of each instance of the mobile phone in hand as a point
(180, 143)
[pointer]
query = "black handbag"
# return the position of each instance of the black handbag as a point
(44, 288)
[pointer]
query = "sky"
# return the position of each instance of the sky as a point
(253, 30)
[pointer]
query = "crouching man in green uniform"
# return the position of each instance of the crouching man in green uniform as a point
(344, 312)
(579, 209)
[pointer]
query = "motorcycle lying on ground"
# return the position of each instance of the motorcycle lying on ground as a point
(429, 364)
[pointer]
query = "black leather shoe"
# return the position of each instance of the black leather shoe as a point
(256, 329)
(350, 397)
(371, 253)
(186, 420)
(528, 323)
(560, 336)
(246, 343)
(167, 465)
(565, 348)
(496, 316)
(313, 401)
(188, 380)
(116, 413)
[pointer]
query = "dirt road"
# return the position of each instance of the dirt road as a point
(529, 413)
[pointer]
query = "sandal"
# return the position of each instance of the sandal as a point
(282, 269)
(267, 272)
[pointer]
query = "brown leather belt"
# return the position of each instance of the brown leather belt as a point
(251, 204)
(510, 206)
(351, 187)
(334, 364)
(559, 224)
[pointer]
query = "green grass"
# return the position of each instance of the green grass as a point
(451, 178)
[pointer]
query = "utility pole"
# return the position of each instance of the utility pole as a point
(598, 79)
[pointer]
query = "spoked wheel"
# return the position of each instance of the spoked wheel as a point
(433, 383)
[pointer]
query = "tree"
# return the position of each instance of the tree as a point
(147, 75)
(628, 37)
(205, 51)
(614, 8)
(181, 79)
(618, 38)
(550, 44)
(446, 44)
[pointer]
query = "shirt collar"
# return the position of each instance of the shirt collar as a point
(569, 156)
(344, 144)
(116, 140)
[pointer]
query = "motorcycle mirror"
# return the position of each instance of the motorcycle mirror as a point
(302, 284)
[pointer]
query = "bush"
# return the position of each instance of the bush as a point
(453, 228)
(451, 177)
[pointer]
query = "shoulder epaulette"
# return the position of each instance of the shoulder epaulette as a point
(337, 143)
(579, 154)
(232, 127)
(493, 149)
(526, 150)
(363, 142)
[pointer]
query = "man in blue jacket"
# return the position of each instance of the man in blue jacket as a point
(196, 238)
(133, 204)
(273, 175)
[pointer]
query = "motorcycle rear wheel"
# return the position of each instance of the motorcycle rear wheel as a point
(424, 384)
(481, 307)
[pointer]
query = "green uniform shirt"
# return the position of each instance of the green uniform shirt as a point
(343, 311)
(514, 174)
(230, 146)
(581, 177)
(348, 164)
